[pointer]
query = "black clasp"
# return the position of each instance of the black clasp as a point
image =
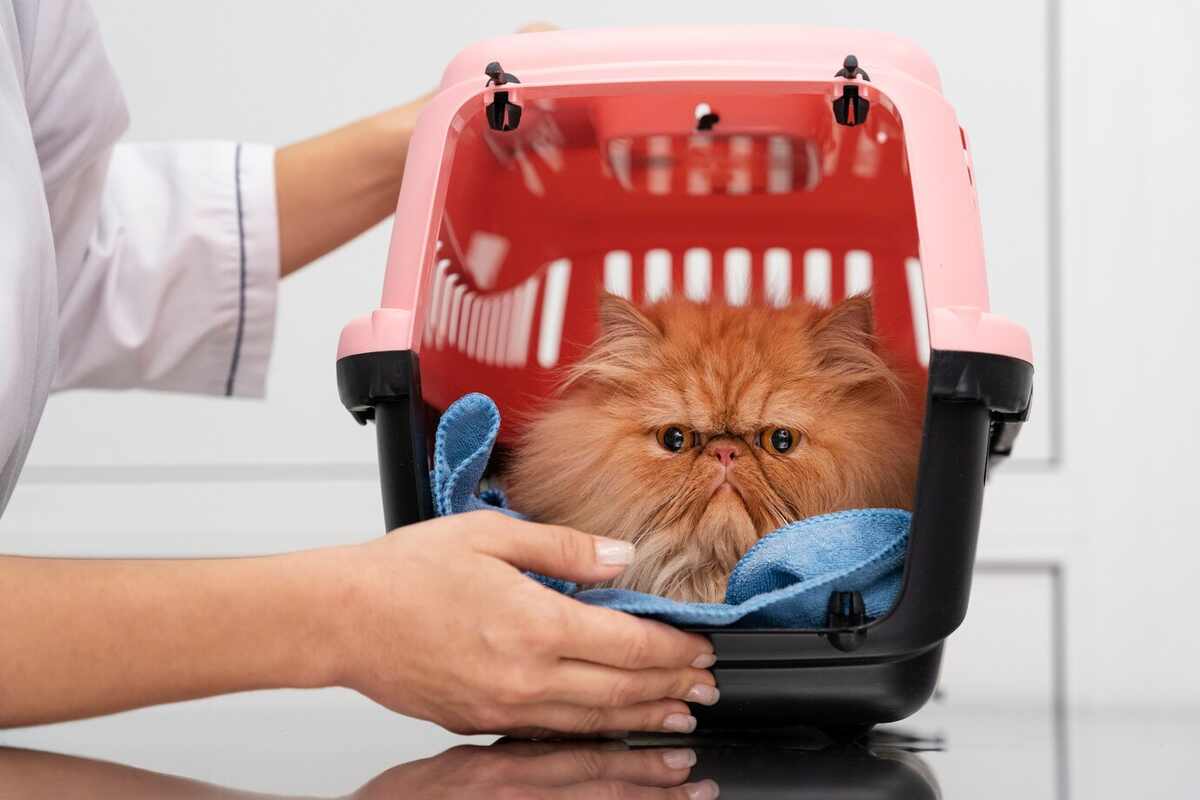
(502, 115)
(851, 108)
(706, 117)
(846, 610)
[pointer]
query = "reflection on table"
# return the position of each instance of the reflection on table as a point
(796, 766)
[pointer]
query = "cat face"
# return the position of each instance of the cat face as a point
(692, 430)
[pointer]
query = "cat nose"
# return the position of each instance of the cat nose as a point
(725, 453)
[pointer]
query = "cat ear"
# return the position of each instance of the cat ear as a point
(851, 320)
(621, 319)
(844, 338)
(619, 355)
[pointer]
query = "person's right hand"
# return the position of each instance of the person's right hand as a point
(438, 622)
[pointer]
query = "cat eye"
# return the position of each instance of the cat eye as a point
(778, 440)
(676, 438)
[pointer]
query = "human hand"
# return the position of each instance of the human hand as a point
(437, 621)
(542, 771)
(526, 770)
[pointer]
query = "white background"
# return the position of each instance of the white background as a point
(1103, 485)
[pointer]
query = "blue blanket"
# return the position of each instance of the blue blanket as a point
(783, 581)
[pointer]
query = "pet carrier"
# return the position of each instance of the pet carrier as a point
(744, 162)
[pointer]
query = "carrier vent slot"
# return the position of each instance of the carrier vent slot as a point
(485, 326)
(618, 273)
(737, 276)
(456, 302)
(916, 299)
(620, 158)
(473, 327)
(435, 300)
(485, 254)
(491, 355)
(658, 170)
(697, 273)
(449, 285)
(780, 166)
(526, 305)
(459, 340)
(818, 277)
(657, 269)
(699, 182)
(554, 307)
(858, 272)
(741, 179)
(777, 276)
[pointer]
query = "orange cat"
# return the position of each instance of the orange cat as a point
(694, 429)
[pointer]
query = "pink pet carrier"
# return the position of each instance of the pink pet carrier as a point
(749, 163)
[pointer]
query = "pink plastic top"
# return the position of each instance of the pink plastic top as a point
(622, 65)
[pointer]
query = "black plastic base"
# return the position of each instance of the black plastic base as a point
(400, 427)
(386, 387)
(770, 768)
(846, 677)
(834, 696)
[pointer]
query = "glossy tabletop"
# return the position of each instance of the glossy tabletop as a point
(335, 744)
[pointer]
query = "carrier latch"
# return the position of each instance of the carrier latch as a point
(502, 115)
(846, 610)
(851, 109)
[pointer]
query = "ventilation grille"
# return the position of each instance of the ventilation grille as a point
(497, 328)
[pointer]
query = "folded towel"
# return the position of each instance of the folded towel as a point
(783, 581)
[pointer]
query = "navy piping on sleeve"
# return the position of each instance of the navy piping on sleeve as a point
(241, 322)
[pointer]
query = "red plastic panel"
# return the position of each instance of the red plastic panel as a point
(776, 202)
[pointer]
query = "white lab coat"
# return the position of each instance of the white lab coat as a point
(121, 265)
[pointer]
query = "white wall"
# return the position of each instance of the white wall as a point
(1102, 485)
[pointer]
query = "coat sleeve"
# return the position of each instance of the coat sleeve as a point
(175, 288)
(167, 254)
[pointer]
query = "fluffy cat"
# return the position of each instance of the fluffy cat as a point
(694, 429)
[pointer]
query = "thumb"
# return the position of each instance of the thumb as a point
(556, 551)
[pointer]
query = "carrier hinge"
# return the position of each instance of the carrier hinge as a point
(502, 114)
(846, 610)
(851, 108)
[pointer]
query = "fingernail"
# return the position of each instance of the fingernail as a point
(703, 694)
(679, 759)
(704, 790)
(679, 723)
(613, 552)
(705, 660)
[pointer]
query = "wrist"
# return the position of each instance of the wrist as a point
(320, 593)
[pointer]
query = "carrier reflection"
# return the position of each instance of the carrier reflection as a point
(886, 766)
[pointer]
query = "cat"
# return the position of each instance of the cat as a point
(694, 429)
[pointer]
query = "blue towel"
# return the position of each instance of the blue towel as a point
(783, 581)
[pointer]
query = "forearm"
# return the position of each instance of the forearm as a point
(333, 187)
(86, 637)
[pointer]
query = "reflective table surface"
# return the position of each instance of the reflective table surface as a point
(335, 744)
